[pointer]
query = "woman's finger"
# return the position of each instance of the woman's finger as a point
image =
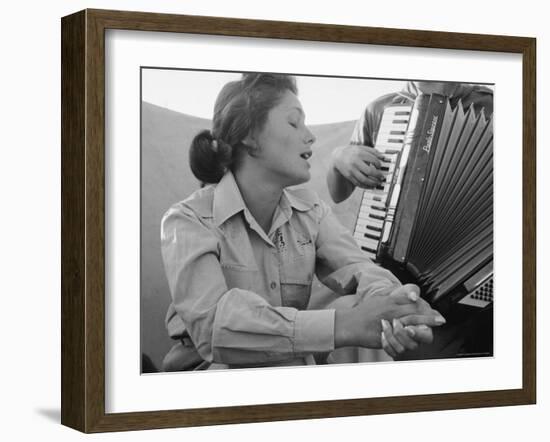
(404, 335)
(433, 319)
(406, 294)
(386, 346)
(422, 333)
(392, 341)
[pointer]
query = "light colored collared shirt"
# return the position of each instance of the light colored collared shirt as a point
(241, 293)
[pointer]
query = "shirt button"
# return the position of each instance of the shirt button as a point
(273, 285)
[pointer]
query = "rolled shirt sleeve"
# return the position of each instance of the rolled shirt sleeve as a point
(232, 326)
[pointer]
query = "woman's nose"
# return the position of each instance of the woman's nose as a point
(310, 138)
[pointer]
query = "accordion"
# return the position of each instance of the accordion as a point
(432, 219)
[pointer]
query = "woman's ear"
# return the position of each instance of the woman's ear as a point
(251, 145)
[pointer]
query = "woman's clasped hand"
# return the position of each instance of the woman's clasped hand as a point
(395, 319)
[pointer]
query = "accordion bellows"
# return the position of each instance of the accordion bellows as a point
(434, 214)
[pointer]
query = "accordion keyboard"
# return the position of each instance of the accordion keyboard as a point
(375, 207)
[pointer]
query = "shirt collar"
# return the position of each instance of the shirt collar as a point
(294, 201)
(228, 200)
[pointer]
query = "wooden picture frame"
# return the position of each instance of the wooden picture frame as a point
(83, 219)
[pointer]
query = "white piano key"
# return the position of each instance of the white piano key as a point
(377, 197)
(367, 210)
(391, 133)
(392, 115)
(387, 161)
(393, 150)
(368, 242)
(388, 117)
(373, 203)
(384, 149)
(374, 222)
(368, 217)
(374, 206)
(376, 209)
(392, 125)
(362, 229)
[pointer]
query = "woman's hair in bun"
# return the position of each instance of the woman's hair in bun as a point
(209, 158)
(241, 109)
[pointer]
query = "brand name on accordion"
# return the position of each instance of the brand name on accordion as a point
(430, 137)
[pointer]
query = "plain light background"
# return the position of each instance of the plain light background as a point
(30, 222)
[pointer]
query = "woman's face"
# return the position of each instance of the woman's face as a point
(285, 143)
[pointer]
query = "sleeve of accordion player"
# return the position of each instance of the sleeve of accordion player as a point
(341, 265)
(365, 128)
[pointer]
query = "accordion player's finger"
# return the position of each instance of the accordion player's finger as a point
(370, 170)
(354, 181)
(370, 155)
(363, 181)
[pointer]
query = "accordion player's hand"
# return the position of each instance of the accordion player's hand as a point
(359, 164)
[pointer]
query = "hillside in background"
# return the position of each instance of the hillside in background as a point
(166, 179)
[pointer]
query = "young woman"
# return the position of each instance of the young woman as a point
(241, 252)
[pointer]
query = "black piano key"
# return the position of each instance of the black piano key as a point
(379, 217)
(376, 229)
(368, 235)
(382, 208)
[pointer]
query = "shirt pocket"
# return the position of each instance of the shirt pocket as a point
(241, 277)
(297, 269)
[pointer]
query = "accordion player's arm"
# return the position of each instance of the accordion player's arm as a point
(347, 168)
(340, 188)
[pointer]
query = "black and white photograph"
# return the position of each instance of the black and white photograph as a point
(291, 220)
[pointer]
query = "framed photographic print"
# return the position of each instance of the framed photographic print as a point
(269, 220)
